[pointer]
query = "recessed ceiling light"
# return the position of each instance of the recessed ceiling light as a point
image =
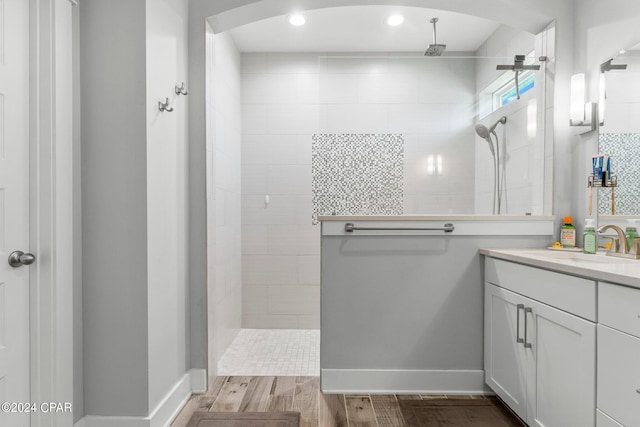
(622, 51)
(395, 20)
(297, 19)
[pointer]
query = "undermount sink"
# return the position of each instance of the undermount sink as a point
(598, 258)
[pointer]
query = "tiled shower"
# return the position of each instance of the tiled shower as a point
(430, 105)
(290, 99)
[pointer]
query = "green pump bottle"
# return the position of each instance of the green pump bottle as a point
(590, 241)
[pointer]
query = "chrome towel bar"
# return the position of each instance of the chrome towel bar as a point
(349, 227)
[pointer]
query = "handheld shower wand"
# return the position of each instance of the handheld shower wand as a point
(485, 133)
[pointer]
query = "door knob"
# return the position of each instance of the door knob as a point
(18, 258)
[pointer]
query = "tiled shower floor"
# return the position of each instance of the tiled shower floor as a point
(272, 352)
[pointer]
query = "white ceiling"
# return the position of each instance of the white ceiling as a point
(363, 29)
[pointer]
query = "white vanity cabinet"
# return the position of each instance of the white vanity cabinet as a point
(618, 356)
(540, 343)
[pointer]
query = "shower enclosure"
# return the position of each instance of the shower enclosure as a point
(374, 133)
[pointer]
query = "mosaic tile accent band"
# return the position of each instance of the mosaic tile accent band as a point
(624, 149)
(357, 174)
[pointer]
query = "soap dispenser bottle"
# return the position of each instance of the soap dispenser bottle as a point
(590, 244)
(631, 231)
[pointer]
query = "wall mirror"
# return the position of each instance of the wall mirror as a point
(619, 135)
(408, 135)
(348, 99)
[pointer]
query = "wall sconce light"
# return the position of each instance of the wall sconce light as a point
(601, 98)
(577, 99)
(582, 113)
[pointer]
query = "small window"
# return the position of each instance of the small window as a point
(507, 93)
(503, 89)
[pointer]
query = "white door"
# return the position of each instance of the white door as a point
(14, 207)
(504, 356)
(561, 382)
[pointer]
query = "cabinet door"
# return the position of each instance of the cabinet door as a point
(619, 376)
(561, 380)
(504, 356)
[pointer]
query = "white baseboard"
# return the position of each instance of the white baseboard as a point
(94, 421)
(193, 381)
(392, 381)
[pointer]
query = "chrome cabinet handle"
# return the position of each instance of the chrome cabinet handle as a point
(518, 308)
(526, 310)
(19, 258)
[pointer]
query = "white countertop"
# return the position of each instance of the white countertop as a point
(598, 267)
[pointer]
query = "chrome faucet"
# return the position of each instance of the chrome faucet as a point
(620, 246)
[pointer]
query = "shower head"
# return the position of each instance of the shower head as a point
(484, 133)
(518, 65)
(435, 49)
(608, 66)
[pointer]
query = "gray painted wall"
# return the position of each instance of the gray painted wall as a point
(197, 196)
(133, 204)
(405, 302)
(114, 206)
(78, 380)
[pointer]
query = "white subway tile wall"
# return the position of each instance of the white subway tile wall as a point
(280, 263)
(286, 98)
(224, 282)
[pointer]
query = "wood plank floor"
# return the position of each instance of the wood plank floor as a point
(301, 394)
